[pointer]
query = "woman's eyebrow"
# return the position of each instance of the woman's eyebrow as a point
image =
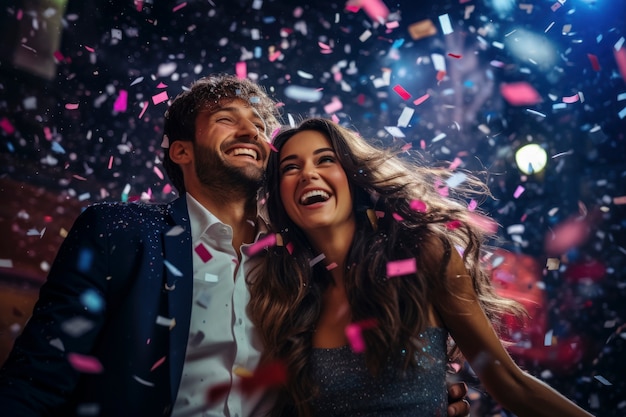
(315, 152)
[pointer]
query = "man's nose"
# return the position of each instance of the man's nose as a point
(248, 128)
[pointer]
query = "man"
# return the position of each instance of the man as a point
(144, 309)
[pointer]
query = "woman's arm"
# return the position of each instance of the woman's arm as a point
(468, 325)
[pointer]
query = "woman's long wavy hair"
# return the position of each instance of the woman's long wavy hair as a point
(286, 292)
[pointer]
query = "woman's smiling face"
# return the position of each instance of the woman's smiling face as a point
(314, 187)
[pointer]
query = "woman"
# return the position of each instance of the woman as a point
(359, 299)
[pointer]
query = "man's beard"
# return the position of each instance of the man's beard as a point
(215, 173)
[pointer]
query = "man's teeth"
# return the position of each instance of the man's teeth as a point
(245, 151)
(314, 196)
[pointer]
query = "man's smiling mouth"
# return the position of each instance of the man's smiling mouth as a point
(245, 151)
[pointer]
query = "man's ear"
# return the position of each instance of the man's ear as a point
(180, 152)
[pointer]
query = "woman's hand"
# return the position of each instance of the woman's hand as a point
(458, 406)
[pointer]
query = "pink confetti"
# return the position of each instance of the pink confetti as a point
(335, 118)
(157, 364)
(203, 252)
(110, 162)
(401, 267)
(83, 363)
(406, 147)
(418, 205)
(518, 191)
(334, 106)
(472, 205)
(261, 244)
(323, 45)
(90, 49)
(520, 94)
(179, 6)
(454, 224)
(167, 188)
(47, 133)
(354, 333)
(571, 99)
(455, 56)
(71, 106)
(121, 102)
(158, 172)
(441, 74)
(619, 200)
(594, 62)
(392, 25)
(274, 133)
(160, 98)
(375, 9)
(162, 85)
(289, 247)
(402, 92)
(241, 69)
(145, 107)
(59, 56)
(331, 266)
(397, 217)
(7, 126)
(484, 223)
(275, 55)
(441, 188)
(566, 235)
(620, 59)
(455, 164)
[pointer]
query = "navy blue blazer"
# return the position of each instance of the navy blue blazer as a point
(137, 259)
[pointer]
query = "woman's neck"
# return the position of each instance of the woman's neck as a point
(334, 244)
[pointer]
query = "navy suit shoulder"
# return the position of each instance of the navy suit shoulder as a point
(107, 302)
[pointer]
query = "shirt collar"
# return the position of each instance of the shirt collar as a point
(201, 219)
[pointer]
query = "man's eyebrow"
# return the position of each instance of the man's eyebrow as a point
(232, 109)
(315, 152)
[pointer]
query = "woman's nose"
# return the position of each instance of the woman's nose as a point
(309, 172)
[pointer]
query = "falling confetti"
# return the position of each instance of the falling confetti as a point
(401, 267)
(85, 364)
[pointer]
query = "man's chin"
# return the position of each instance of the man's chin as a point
(251, 176)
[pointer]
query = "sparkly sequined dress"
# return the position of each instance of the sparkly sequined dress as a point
(346, 388)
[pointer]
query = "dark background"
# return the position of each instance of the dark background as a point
(64, 143)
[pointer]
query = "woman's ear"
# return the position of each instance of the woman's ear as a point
(180, 152)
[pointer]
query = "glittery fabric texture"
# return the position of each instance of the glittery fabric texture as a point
(347, 388)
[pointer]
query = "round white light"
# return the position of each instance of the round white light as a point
(531, 159)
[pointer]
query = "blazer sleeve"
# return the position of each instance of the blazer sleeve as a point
(43, 367)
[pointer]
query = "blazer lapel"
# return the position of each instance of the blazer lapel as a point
(179, 287)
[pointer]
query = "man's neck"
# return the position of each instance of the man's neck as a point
(235, 210)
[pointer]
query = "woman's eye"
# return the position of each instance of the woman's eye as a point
(287, 168)
(326, 158)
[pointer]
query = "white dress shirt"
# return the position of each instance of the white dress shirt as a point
(222, 341)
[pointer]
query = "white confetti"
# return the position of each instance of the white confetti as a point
(172, 268)
(446, 25)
